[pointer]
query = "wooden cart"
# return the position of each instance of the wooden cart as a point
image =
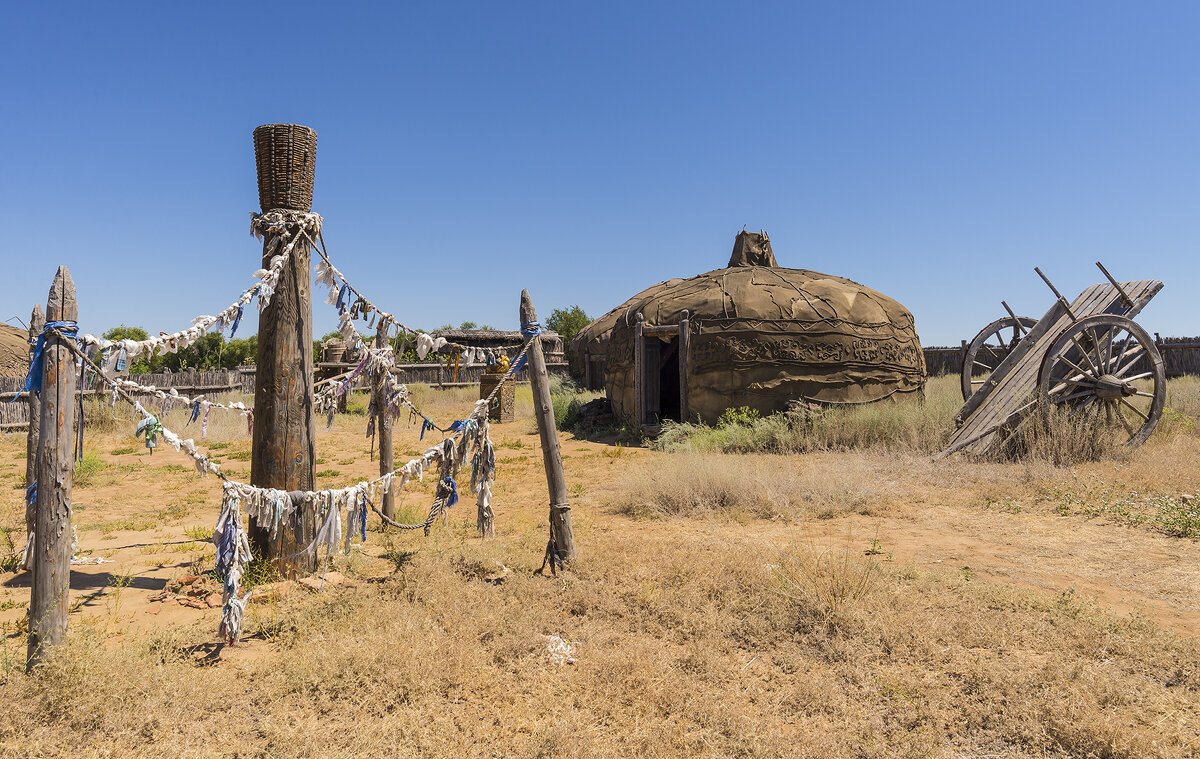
(1087, 356)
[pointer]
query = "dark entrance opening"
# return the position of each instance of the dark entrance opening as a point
(668, 381)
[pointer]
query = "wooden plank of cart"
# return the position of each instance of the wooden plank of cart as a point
(1087, 356)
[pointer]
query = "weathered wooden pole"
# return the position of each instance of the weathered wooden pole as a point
(561, 547)
(383, 424)
(685, 341)
(639, 370)
(37, 320)
(284, 440)
(48, 602)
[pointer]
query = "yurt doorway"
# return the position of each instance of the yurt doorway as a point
(661, 381)
(660, 356)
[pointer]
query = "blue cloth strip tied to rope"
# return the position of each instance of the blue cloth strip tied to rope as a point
(31, 493)
(195, 412)
(426, 425)
(149, 426)
(529, 330)
(33, 379)
(237, 319)
(227, 544)
(453, 497)
(341, 298)
(362, 520)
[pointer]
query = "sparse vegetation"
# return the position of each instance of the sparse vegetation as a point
(856, 600)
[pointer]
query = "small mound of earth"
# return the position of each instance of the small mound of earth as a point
(14, 351)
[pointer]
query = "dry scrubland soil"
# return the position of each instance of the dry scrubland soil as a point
(870, 604)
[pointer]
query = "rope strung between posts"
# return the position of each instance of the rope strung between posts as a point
(285, 229)
(199, 404)
(359, 306)
(272, 507)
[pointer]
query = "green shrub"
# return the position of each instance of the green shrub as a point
(87, 468)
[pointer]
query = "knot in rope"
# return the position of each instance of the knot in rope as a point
(33, 378)
(530, 330)
(282, 221)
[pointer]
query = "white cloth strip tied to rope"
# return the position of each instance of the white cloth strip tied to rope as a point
(289, 228)
(233, 554)
(173, 396)
(327, 274)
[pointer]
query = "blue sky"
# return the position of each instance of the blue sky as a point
(934, 151)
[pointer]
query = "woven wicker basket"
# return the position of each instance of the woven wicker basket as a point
(286, 155)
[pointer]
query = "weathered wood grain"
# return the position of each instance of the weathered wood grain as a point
(37, 320)
(561, 547)
(284, 439)
(55, 466)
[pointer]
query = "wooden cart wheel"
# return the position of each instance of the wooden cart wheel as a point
(993, 343)
(1108, 368)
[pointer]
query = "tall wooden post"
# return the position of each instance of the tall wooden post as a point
(685, 341)
(37, 320)
(561, 547)
(284, 441)
(383, 425)
(48, 602)
(639, 370)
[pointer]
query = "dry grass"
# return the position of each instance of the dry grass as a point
(908, 425)
(745, 619)
(768, 487)
(682, 650)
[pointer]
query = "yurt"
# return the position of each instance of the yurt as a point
(752, 334)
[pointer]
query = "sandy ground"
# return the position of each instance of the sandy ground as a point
(137, 510)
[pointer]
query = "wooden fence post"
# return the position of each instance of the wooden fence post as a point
(685, 339)
(37, 320)
(51, 582)
(284, 440)
(639, 370)
(383, 424)
(561, 547)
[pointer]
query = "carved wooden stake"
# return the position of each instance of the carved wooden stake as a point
(36, 321)
(55, 467)
(383, 425)
(561, 547)
(285, 430)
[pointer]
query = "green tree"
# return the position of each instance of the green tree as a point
(567, 322)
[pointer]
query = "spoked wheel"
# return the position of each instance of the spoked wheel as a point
(1107, 368)
(993, 343)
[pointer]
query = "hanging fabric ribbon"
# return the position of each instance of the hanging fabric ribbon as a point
(237, 319)
(150, 427)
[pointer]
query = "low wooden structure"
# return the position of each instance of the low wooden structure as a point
(1082, 356)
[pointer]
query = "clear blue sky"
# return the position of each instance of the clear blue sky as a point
(934, 151)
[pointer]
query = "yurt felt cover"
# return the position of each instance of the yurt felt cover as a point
(761, 336)
(593, 339)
